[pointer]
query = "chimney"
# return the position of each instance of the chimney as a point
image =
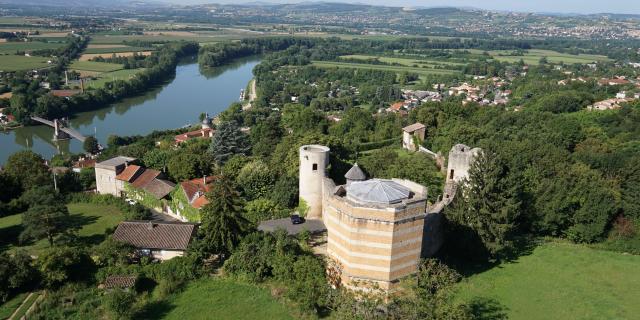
(204, 181)
(150, 225)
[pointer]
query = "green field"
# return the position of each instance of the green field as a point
(10, 63)
(90, 220)
(103, 78)
(221, 299)
(533, 57)
(95, 66)
(405, 61)
(13, 47)
(561, 281)
(116, 50)
(397, 69)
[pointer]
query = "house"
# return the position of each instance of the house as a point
(413, 136)
(189, 197)
(159, 240)
(613, 82)
(396, 107)
(65, 93)
(83, 163)
(106, 172)
(147, 186)
(197, 134)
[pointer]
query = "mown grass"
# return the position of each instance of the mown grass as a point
(560, 280)
(95, 66)
(103, 78)
(404, 61)
(13, 47)
(91, 222)
(10, 63)
(397, 69)
(211, 298)
(7, 308)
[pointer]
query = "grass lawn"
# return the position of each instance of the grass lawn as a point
(533, 57)
(398, 69)
(95, 66)
(12, 47)
(211, 298)
(103, 78)
(404, 61)
(7, 308)
(10, 63)
(560, 280)
(90, 220)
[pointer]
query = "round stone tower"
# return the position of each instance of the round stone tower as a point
(314, 160)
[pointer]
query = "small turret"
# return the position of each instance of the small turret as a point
(206, 122)
(355, 174)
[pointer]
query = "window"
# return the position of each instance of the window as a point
(451, 174)
(315, 167)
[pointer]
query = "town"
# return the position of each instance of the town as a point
(318, 161)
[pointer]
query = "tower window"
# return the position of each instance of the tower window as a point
(315, 167)
(451, 174)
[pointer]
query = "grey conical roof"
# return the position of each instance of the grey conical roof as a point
(377, 191)
(355, 174)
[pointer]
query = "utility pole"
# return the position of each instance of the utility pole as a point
(55, 182)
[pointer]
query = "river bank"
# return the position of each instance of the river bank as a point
(192, 91)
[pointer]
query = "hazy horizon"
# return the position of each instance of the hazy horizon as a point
(551, 6)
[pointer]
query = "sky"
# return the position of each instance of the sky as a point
(559, 6)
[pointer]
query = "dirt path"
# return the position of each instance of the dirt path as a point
(252, 95)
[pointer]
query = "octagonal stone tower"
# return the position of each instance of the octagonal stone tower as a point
(314, 160)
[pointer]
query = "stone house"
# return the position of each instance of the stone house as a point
(413, 136)
(189, 197)
(159, 240)
(106, 172)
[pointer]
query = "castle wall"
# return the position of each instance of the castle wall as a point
(374, 246)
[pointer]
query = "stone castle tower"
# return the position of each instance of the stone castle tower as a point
(314, 160)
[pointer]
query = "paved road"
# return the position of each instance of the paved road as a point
(313, 226)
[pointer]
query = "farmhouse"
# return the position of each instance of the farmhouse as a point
(159, 240)
(189, 197)
(106, 172)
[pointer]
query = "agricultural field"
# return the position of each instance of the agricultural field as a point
(210, 298)
(533, 57)
(114, 48)
(559, 280)
(405, 61)
(89, 56)
(95, 66)
(102, 78)
(13, 47)
(10, 63)
(90, 220)
(398, 69)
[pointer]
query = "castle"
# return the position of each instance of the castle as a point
(377, 229)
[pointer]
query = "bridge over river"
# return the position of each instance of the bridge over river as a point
(61, 132)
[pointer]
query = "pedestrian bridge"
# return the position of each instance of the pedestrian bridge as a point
(61, 131)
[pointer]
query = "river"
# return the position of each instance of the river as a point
(178, 102)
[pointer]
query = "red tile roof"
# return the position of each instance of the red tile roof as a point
(121, 282)
(129, 173)
(202, 133)
(197, 186)
(65, 93)
(145, 178)
(397, 106)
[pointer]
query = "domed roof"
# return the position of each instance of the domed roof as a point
(377, 191)
(355, 173)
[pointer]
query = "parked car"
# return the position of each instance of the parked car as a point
(296, 219)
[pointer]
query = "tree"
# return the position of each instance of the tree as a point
(28, 169)
(61, 264)
(228, 141)
(255, 179)
(222, 222)
(488, 204)
(260, 210)
(90, 145)
(113, 253)
(309, 286)
(119, 303)
(47, 215)
(16, 272)
(285, 192)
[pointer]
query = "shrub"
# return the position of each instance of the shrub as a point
(119, 303)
